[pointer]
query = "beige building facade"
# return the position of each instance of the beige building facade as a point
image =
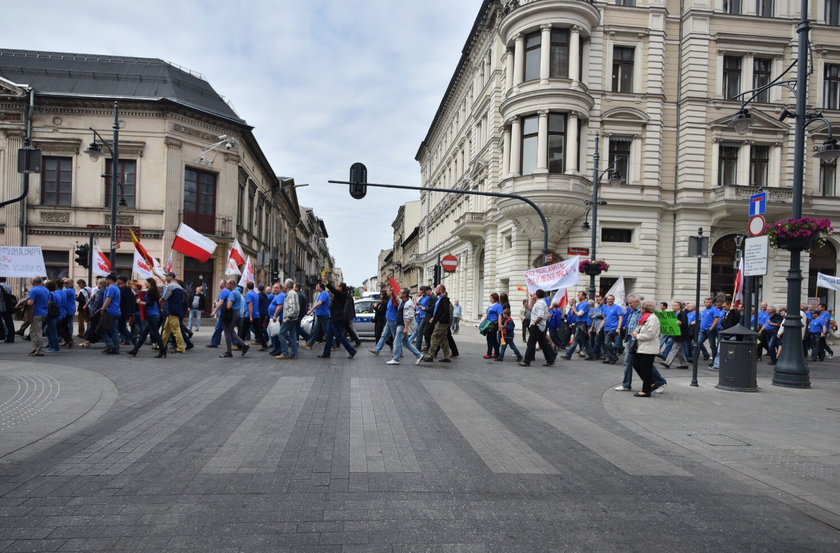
(184, 156)
(654, 80)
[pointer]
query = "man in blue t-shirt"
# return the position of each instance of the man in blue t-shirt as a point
(234, 305)
(817, 330)
(581, 336)
(391, 316)
(275, 312)
(613, 319)
(111, 316)
(221, 299)
(710, 320)
(39, 300)
(253, 317)
(321, 310)
(422, 316)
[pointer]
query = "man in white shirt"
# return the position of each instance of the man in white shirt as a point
(536, 333)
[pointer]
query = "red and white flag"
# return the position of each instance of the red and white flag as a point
(561, 298)
(236, 253)
(247, 274)
(101, 265)
(193, 244)
(232, 269)
(142, 267)
(738, 295)
(169, 264)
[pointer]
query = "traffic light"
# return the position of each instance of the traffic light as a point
(437, 275)
(83, 255)
(358, 180)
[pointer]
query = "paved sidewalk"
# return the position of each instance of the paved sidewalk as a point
(197, 453)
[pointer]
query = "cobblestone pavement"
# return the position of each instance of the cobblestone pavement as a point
(197, 453)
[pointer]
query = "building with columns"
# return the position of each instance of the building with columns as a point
(654, 82)
(184, 155)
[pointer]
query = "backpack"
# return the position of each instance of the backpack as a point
(53, 310)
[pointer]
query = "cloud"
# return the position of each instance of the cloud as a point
(324, 83)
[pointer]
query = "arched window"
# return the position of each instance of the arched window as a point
(723, 267)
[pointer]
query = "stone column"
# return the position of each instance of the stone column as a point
(505, 153)
(515, 148)
(508, 70)
(542, 143)
(545, 53)
(744, 163)
(574, 54)
(518, 60)
(572, 155)
(747, 72)
(13, 187)
(173, 199)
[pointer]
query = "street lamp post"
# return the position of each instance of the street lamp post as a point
(791, 370)
(593, 204)
(94, 151)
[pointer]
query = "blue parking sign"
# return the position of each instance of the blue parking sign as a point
(758, 204)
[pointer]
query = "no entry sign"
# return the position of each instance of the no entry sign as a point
(449, 263)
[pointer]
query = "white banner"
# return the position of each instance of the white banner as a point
(828, 281)
(101, 265)
(141, 266)
(232, 268)
(552, 277)
(617, 291)
(25, 262)
(247, 274)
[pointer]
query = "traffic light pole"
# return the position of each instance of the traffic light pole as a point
(465, 192)
(90, 260)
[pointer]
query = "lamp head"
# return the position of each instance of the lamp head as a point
(742, 121)
(94, 151)
(123, 202)
(829, 151)
(585, 226)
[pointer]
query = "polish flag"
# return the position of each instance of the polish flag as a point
(141, 266)
(738, 294)
(561, 298)
(236, 253)
(193, 244)
(232, 268)
(247, 274)
(101, 265)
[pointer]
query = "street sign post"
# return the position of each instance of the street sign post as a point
(758, 204)
(449, 263)
(756, 226)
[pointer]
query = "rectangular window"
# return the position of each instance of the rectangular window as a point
(622, 70)
(728, 164)
(761, 77)
(619, 156)
(828, 178)
(731, 76)
(240, 208)
(764, 8)
(532, 56)
(732, 6)
(559, 55)
(625, 2)
(530, 131)
(759, 165)
(624, 235)
(831, 86)
(832, 12)
(128, 182)
(57, 264)
(200, 200)
(556, 143)
(56, 180)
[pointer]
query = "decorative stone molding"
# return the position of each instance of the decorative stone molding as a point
(173, 142)
(11, 116)
(121, 219)
(54, 216)
(195, 133)
(58, 145)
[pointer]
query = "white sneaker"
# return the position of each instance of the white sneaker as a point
(419, 360)
(621, 389)
(660, 389)
(392, 362)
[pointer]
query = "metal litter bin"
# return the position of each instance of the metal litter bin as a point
(737, 351)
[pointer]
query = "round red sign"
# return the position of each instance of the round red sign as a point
(449, 263)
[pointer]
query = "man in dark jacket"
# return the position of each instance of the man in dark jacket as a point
(440, 321)
(677, 352)
(338, 319)
(128, 305)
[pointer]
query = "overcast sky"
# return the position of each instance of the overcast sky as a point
(325, 83)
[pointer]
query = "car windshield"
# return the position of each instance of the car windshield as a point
(363, 306)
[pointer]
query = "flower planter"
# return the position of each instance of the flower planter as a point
(593, 271)
(798, 243)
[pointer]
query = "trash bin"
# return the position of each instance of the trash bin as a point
(737, 350)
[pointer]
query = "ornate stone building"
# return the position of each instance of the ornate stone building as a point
(184, 155)
(654, 80)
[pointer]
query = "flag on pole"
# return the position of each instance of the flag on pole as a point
(395, 286)
(236, 253)
(738, 294)
(193, 244)
(561, 298)
(617, 291)
(232, 268)
(141, 266)
(151, 262)
(169, 264)
(247, 274)
(101, 264)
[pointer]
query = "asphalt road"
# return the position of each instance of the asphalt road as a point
(197, 453)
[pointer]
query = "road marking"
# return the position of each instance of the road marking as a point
(500, 449)
(258, 442)
(378, 440)
(614, 449)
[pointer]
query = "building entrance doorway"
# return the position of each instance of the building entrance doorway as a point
(823, 260)
(196, 274)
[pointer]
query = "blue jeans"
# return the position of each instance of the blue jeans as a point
(321, 324)
(417, 337)
(389, 330)
(51, 325)
(668, 343)
(612, 340)
(216, 339)
(288, 337)
(336, 333)
(122, 328)
(111, 337)
(401, 340)
(513, 348)
(581, 341)
(711, 336)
